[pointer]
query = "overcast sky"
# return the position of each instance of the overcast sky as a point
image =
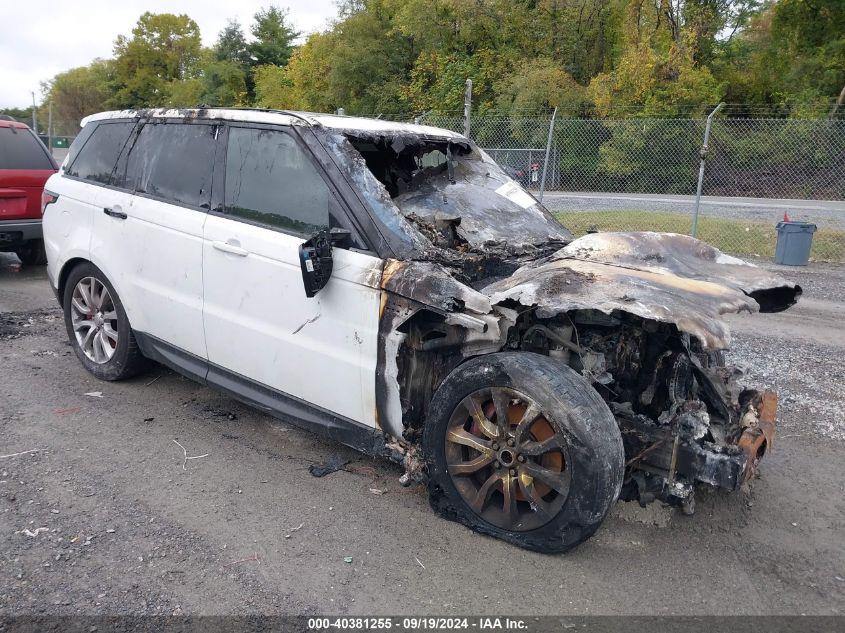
(41, 39)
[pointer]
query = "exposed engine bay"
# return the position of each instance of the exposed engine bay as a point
(684, 417)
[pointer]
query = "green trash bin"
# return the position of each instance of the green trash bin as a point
(795, 239)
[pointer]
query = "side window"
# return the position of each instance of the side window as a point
(96, 159)
(173, 161)
(271, 180)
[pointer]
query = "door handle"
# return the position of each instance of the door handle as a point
(114, 212)
(230, 247)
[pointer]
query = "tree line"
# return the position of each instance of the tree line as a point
(589, 58)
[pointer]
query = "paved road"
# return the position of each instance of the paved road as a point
(134, 528)
(824, 213)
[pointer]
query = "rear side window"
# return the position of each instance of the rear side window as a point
(21, 149)
(97, 158)
(172, 161)
(271, 180)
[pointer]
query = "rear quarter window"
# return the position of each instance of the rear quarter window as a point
(21, 149)
(96, 159)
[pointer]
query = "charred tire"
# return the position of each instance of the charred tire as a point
(32, 253)
(591, 448)
(124, 359)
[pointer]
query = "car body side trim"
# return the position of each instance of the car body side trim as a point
(363, 438)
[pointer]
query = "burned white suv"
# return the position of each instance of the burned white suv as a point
(388, 285)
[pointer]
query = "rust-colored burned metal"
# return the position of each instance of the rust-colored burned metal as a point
(433, 285)
(755, 440)
(661, 277)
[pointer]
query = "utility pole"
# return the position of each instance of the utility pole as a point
(34, 120)
(50, 127)
(467, 106)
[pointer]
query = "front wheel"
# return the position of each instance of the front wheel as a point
(98, 327)
(521, 447)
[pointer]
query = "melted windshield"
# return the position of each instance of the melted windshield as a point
(456, 195)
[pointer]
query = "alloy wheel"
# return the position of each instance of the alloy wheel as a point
(94, 320)
(506, 460)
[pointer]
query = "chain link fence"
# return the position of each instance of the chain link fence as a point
(642, 174)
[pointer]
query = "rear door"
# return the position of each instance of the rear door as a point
(148, 232)
(259, 324)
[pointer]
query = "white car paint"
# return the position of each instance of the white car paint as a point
(67, 224)
(154, 260)
(259, 323)
(227, 291)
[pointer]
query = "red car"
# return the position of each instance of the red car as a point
(25, 165)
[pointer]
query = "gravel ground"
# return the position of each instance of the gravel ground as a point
(825, 214)
(131, 527)
(799, 352)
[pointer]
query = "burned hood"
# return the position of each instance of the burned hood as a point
(482, 205)
(662, 277)
(687, 257)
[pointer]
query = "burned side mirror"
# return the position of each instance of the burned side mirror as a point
(315, 258)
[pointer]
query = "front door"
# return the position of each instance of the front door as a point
(259, 324)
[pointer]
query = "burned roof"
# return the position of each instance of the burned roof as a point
(344, 124)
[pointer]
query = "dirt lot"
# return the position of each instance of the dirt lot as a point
(133, 527)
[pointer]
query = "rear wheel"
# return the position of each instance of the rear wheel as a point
(32, 253)
(97, 325)
(521, 447)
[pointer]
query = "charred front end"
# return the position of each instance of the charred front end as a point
(486, 269)
(684, 416)
(645, 330)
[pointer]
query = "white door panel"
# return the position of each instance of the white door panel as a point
(154, 260)
(259, 324)
(164, 258)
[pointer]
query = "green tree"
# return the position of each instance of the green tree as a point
(791, 52)
(274, 37)
(185, 93)
(76, 93)
(273, 88)
(224, 84)
(163, 48)
(305, 83)
(540, 84)
(231, 45)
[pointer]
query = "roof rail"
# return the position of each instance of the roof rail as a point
(310, 122)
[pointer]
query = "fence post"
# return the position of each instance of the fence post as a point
(467, 106)
(34, 120)
(548, 149)
(704, 149)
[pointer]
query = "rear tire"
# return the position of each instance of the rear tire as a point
(32, 253)
(545, 485)
(94, 311)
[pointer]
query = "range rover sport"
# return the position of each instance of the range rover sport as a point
(390, 286)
